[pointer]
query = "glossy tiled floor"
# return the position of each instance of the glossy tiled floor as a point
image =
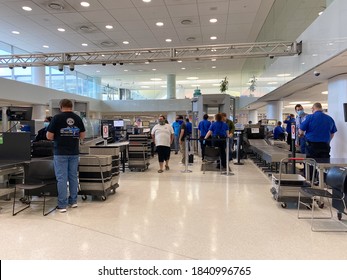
(172, 215)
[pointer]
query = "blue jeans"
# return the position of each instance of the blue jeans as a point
(66, 170)
(177, 143)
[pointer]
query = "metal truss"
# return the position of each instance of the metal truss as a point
(206, 52)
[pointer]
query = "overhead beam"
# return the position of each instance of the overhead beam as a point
(204, 52)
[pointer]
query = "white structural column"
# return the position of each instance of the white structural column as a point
(171, 117)
(337, 96)
(38, 75)
(39, 112)
(253, 116)
(4, 119)
(274, 110)
(171, 86)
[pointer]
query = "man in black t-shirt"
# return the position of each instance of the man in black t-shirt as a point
(182, 139)
(66, 129)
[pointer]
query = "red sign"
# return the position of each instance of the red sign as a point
(105, 131)
(293, 130)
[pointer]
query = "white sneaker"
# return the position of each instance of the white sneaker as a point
(74, 205)
(61, 210)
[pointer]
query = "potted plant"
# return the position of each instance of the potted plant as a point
(224, 85)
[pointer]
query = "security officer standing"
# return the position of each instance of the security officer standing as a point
(300, 141)
(319, 129)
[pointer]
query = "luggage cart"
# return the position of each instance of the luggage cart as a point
(139, 153)
(285, 187)
(95, 176)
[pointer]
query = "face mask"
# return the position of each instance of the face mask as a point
(180, 121)
(300, 112)
(161, 122)
(45, 124)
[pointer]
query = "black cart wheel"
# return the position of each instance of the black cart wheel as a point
(320, 204)
(84, 197)
(103, 198)
(339, 216)
(284, 205)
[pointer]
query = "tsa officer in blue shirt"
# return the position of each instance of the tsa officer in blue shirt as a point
(300, 141)
(203, 127)
(219, 130)
(319, 130)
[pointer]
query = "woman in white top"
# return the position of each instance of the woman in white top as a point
(162, 135)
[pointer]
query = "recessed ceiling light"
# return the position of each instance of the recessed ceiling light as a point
(213, 50)
(156, 79)
(97, 71)
(315, 54)
(179, 61)
(183, 68)
(15, 32)
(299, 102)
(320, 13)
(109, 26)
(159, 23)
(45, 46)
(146, 62)
(214, 67)
(146, 1)
(192, 78)
(125, 70)
(84, 44)
(85, 4)
(303, 63)
(125, 42)
(61, 29)
(325, 92)
(168, 40)
(283, 75)
(26, 8)
(213, 59)
(190, 39)
(154, 69)
(139, 70)
(56, 6)
(272, 83)
(145, 86)
(213, 38)
(213, 20)
(186, 22)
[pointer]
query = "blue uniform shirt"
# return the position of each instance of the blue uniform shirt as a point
(219, 129)
(189, 128)
(278, 131)
(177, 127)
(288, 122)
(203, 127)
(318, 127)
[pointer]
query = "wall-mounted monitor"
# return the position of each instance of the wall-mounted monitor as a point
(118, 123)
(145, 123)
(19, 113)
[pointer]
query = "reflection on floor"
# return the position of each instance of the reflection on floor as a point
(171, 215)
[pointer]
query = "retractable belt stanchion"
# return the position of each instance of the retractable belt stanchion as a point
(227, 173)
(238, 149)
(293, 132)
(186, 170)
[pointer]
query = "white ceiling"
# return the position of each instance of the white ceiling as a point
(239, 21)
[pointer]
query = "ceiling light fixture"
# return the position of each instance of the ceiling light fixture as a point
(125, 70)
(85, 4)
(214, 67)
(26, 8)
(325, 92)
(146, 1)
(15, 32)
(179, 61)
(125, 42)
(159, 23)
(109, 27)
(154, 69)
(213, 20)
(272, 83)
(61, 29)
(56, 6)
(84, 44)
(191, 39)
(183, 68)
(186, 22)
(213, 38)
(156, 79)
(283, 75)
(168, 40)
(213, 59)
(45, 46)
(192, 78)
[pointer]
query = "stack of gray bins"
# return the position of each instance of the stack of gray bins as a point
(95, 176)
(139, 152)
(115, 154)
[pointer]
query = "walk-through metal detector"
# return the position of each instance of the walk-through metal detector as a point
(210, 104)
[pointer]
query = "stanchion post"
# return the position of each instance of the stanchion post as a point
(238, 149)
(186, 157)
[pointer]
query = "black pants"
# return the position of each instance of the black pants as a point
(203, 146)
(317, 150)
(221, 144)
(163, 153)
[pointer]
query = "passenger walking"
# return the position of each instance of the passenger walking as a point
(66, 129)
(219, 131)
(231, 127)
(203, 128)
(182, 140)
(318, 129)
(300, 118)
(177, 130)
(162, 135)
